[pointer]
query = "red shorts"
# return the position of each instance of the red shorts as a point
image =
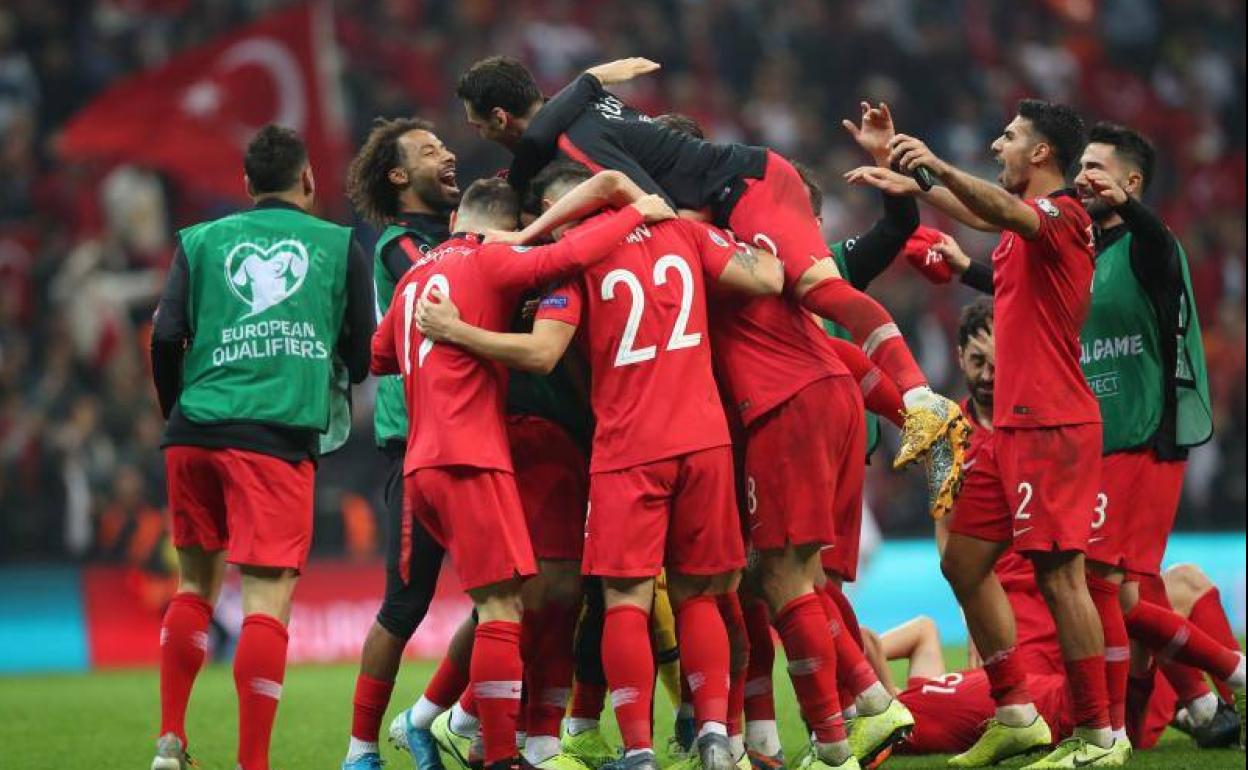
(950, 711)
(1049, 482)
(1135, 510)
(774, 213)
(680, 512)
(552, 476)
(476, 515)
(804, 473)
(256, 507)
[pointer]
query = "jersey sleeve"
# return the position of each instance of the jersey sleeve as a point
(385, 357)
(515, 268)
(563, 303)
(715, 248)
(1064, 226)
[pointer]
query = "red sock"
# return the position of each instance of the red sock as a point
(1007, 681)
(704, 659)
(1139, 693)
(879, 393)
(854, 673)
(372, 696)
(183, 646)
(1117, 650)
(871, 327)
(1086, 678)
(448, 683)
(259, 670)
(803, 628)
(495, 673)
(849, 618)
(629, 665)
(1209, 616)
(1170, 636)
(739, 648)
(548, 674)
(588, 700)
(1187, 682)
(760, 703)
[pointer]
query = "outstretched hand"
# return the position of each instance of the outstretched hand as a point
(874, 132)
(622, 70)
(952, 253)
(883, 179)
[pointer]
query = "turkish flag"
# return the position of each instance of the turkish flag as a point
(193, 116)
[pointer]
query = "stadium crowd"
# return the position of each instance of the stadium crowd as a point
(83, 249)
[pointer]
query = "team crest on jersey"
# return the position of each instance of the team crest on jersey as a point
(520, 249)
(1048, 207)
(717, 240)
(264, 277)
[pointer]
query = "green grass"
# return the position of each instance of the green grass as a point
(107, 721)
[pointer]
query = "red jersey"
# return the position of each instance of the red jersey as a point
(462, 397)
(767, 349)
(643, 310)
(1042, 289)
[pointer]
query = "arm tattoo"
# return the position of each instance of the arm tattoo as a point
(746, 258)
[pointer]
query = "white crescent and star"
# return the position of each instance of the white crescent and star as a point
(204, 97)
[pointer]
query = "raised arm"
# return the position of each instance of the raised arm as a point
(890, 182)
(518, 267)
(605, 189)
(536, 351)
(991, 203)
(871, 253)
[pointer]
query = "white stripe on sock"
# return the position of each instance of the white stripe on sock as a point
(758, 686)
(499, 689)
(1175, 644)
(267, 687)
(804, 666)
(624, 696)
(1117, 654)
(869, 381)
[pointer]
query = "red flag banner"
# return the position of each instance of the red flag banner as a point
(193, 116)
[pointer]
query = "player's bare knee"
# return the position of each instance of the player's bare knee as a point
(637, 592)
(682, 587)
(1184, 584)
(498, 601)
(563, 582)
(268, 591)
(928, 630)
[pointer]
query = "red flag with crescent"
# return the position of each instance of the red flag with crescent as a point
(193, 116)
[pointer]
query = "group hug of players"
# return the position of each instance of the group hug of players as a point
(667, 370)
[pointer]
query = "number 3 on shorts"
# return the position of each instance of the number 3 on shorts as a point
(1101, 509)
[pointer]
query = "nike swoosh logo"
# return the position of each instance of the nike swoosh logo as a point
(966, 466)
(1023, 531)
(1095, 540)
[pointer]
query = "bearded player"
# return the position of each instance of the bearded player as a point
(458, 470)
(1047, 424)
(402, 180)
(751, 190)
(1143, 356)
(661, 477)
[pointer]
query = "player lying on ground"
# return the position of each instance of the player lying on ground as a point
(753, 191)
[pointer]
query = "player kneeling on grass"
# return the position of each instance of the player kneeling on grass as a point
(661, 478)
(257, 307)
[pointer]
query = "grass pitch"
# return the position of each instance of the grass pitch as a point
(108, 720)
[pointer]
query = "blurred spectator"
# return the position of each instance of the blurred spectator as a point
(83, 248)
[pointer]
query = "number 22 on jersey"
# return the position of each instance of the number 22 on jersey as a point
(627, 353)
(436, 281)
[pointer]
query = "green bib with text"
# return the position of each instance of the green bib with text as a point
(267, 296)
(1122, 359)
(835, 330)
(390, 409)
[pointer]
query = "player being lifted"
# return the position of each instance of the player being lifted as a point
(661, 474)
(458, 469)
(1046, 421)
(752, 190)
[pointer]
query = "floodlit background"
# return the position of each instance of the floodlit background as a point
(98, 170)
